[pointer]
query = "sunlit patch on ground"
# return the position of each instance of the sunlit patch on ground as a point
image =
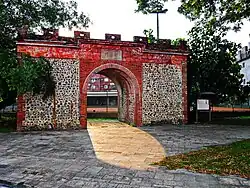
(119, 144)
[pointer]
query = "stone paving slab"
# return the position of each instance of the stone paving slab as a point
(68, 160)
(121, 145)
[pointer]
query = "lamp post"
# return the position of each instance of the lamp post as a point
(107, 106)
(157, 12)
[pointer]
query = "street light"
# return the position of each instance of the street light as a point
(157, 12)
(107, 95)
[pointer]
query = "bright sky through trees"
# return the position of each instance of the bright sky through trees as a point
(118, 17)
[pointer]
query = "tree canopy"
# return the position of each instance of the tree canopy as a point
(224, 11)
(212, 62)
(148, 6)
(34, 14)
(211, 55)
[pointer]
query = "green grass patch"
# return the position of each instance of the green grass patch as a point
(7, 122)
(6, 130)
(244, 117)
(232, 159)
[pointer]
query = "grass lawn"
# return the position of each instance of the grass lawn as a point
(7, 122)
(6, 130)
(244, 117)
(232, 159)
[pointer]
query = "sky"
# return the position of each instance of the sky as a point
(119, 17)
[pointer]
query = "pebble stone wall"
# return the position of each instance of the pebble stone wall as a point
(123, 103)
(39, 113)
(131, 108)
(162, 94)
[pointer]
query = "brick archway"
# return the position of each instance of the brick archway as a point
(151, 79)
(129, 95)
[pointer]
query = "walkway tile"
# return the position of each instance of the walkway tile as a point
(122, 145)
(113, 155)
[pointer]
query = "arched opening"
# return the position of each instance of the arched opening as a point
(129, 102)
(102, 98)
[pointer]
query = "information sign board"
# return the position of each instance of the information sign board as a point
(203, 104)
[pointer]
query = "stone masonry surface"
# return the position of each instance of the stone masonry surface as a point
(131, 107)
(122, 105)
(39, 112)
(162, 96)
(67, 159)
(125, 146)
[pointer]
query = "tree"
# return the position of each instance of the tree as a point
(148, 6)
(224, 11)
(149, 34)
(244, 94)
(212, 62)
(32, 76)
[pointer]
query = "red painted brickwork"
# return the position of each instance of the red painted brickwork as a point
(20, 112)
(126, 69)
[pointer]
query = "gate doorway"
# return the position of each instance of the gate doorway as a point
(127, 89)
(102, 98)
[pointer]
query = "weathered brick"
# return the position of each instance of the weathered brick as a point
(152, 82)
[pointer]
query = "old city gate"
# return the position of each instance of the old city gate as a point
(151, 79)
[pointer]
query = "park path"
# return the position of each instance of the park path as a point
(125, 146)
(97, 157)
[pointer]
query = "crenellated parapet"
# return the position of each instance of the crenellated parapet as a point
(81, 37)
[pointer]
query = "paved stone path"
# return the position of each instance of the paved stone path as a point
(68, 160)
(124, 146)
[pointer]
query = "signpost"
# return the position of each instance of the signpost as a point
(203, 105)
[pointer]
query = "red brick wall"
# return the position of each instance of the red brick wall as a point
(20, 112)
(129, 68)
